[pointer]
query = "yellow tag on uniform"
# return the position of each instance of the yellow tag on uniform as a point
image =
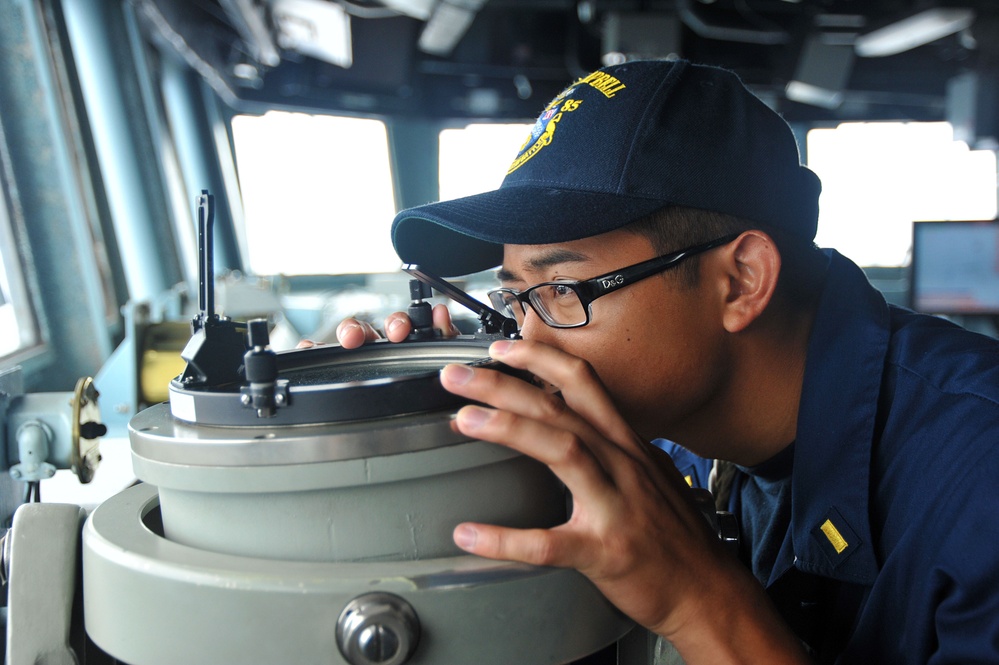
(836, 539)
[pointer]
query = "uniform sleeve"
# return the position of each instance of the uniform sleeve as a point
(966, 619)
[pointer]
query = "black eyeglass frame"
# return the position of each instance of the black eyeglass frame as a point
(590, 289)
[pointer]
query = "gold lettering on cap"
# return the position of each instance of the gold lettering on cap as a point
(605, 83)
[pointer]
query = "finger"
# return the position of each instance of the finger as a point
(526, 418)
(514, 395)
(581, 388)
(352, 333)
(398, 326)
(566, 453)
(539, 547)
(443, 322)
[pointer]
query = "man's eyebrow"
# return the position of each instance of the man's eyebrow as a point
(505, 275)
(547, 260)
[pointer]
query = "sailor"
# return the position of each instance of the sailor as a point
(655, 237)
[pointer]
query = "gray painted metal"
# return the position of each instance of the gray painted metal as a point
(44, 550)
(391, 489)
(142, 591)
(41, 177)
(158, 437)
(194, 122)
(133, 183)
(11, 491)
(42, 425)
(414, 155)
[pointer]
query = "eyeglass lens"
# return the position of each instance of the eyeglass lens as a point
(557, 304)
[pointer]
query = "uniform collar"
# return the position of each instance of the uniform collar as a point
(830, 531)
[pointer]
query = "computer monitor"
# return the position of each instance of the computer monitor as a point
(955, 267)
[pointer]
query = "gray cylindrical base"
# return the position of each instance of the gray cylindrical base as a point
(150, 601)
(406, 519)
(312, 494)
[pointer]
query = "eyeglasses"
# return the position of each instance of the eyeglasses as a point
(566, 304)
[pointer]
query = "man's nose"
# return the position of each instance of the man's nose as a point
(533, 327)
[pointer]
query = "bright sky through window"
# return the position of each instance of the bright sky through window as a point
(475, 159)
(877, 178)
(317, 190)
(317, 193)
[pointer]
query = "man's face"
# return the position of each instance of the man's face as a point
(657, 345)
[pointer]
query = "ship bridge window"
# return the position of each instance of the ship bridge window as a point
(317, 190)
(877, 178)
(317, 193)
(17, 323)
(475, 158)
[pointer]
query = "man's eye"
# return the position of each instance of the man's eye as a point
(562, 291)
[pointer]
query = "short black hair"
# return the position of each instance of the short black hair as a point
(675, 227)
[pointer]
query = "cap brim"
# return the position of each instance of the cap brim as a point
(466, 235)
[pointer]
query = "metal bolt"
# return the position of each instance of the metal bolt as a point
(279, 399)
(377, 629)
(246, 399)
(378, 643)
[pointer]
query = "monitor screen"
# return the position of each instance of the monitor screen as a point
(955, 267)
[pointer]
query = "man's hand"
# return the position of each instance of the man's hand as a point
(634, 529)
(352, 333)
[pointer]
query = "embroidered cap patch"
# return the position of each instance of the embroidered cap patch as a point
(543, 132)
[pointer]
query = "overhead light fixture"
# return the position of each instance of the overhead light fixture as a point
(248, 20)
(447, 25)
(315, 28)
(913, 31)
(418, 9)
(822, 74)
(639, 35)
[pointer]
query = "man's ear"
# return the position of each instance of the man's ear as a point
(752, 265)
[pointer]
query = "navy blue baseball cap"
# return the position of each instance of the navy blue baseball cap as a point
(613, 147)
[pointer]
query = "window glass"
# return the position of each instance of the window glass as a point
(475, 158)
(877, 178)
(17, 321)
(318, 199)
(317, 193)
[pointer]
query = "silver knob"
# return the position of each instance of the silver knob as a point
(377, 629)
